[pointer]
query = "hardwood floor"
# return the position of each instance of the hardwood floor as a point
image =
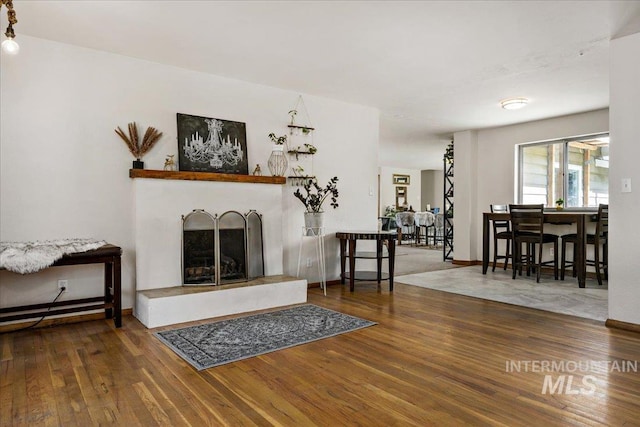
(434, 359)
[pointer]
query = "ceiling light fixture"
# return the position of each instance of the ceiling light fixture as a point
(514, 103)
(9, 45)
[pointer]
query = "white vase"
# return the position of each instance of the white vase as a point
(313, 222)
(278, 161)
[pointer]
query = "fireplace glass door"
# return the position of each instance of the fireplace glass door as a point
(254, 243)
(232, 241)
(198, 248)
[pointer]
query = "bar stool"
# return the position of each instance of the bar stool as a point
(501, 235)
(600, 238)
(527, 227)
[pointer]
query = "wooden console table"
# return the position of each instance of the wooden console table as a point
(352, 237)
(110, 256)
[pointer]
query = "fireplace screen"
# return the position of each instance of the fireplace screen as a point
(218, 250)
(198, 248)
(254, 245)
(232, 227)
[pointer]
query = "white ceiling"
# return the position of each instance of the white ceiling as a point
(431, 68)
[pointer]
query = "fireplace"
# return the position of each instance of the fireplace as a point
(221, 249)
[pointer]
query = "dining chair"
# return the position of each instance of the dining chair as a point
(600, 238)
(438, 232)
(499, 235)
(424, 221)
(432, 225)
(527, 227)
(405, 220)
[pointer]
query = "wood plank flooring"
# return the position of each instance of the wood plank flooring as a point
(434, 359)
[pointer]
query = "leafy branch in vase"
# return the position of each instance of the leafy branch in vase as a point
(316, 195)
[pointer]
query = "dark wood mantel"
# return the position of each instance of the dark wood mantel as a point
(205, 176)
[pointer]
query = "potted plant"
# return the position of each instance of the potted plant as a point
(313, 198)
(278, 161)
(390, 211)
(306, 149)
(559, 204)
(293, 114)
(297, 128)
(278, 140)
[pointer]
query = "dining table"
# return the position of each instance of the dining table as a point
(556, 217)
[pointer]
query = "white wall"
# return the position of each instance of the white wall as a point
(388, 189)
(64, 172)
(465, 192)
(432, 185)
(624, 233)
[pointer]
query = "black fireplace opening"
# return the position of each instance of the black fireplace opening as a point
(232, 254)
(199, 257)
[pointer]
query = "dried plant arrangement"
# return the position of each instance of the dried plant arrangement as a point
(151, 136)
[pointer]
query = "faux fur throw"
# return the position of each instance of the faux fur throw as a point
(30, 257)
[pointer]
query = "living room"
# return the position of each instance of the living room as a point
(65, 173)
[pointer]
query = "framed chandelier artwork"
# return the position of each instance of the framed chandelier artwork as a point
(211, 145)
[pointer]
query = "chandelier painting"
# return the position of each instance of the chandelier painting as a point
(211, 145)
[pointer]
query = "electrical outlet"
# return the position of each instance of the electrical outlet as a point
(309, 262)
(551, 251)
(63, 284)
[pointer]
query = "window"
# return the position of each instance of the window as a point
(576, 170)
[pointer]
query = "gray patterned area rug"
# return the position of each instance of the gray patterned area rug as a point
(224, 341)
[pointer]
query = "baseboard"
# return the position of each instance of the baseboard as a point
(617, 324)
(466, 263)
(317, 284)
(61, 320)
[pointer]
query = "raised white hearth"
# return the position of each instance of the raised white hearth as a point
(168, 306)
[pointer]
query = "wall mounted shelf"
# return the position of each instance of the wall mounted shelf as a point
(297, 152)
(304, 129)
(301, 148)
(205, 176)
(298, 181)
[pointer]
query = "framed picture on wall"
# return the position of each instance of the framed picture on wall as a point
(401, 197)
(401, 179)
(212, 145)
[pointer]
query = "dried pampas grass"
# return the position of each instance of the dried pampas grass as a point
(151, 136)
